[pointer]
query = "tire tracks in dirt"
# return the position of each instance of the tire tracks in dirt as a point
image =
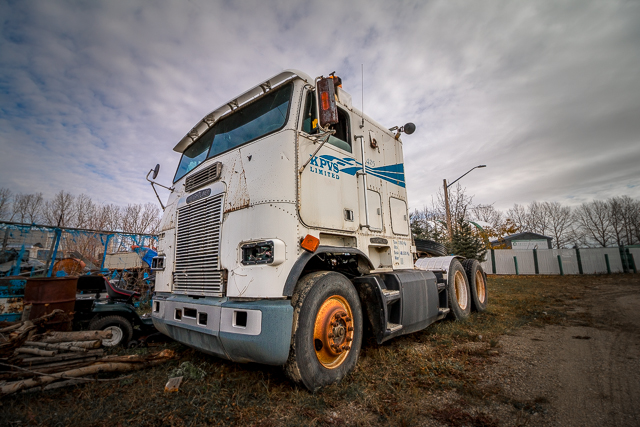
(586, 373)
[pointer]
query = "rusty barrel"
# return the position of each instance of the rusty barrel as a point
(11, 296)
(46, 294)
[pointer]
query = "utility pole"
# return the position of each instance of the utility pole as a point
(446, 199)
(446, 206)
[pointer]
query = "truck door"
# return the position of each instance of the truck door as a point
(328, 186)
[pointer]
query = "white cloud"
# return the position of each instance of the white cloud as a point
(94, 94)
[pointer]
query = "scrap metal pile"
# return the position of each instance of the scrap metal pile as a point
(32, 358)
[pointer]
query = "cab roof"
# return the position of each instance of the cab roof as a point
(248, 96)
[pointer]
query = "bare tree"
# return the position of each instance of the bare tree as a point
(19, 213)
(34, 206)
(488, 214)
(59, 211)
(459, 204)
(631, 209)
(84, 211)
(84, 245)
(538, 221)
(130, 218)
(5, 201)
(140, 219)
(150, 220)
(617, 220)
(532, 218)
(593, 223)
(110, 218)
(559, 221)
(624, 215)
(27, 208)
(518, 215)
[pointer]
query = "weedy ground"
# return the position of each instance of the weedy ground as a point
(428, 378)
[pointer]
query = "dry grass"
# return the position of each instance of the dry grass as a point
(426, 378)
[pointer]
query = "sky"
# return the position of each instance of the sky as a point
(545, 93)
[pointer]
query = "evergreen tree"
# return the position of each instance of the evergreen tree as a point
(466, 243)
(426, 225)
(437, 234)
(418, 224)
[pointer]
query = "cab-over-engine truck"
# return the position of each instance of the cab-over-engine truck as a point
(286, 235)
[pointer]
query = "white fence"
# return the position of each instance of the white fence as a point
(562, 261)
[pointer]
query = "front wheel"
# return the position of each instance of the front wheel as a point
(327, 330)
(120, 328)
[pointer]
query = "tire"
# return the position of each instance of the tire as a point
(327, 330)
(121, 329)
(477, 284)
(458, 290)
(431, 247)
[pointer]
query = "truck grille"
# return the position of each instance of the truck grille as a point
(205, 176)
(196, 270)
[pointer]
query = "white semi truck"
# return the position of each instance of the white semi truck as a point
(286, 235)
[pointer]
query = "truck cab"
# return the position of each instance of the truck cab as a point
(287, 229)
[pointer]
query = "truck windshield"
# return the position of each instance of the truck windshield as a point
(266, 115)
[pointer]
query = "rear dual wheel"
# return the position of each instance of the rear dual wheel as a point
(327, 325)
(458, 291)
(477, 284)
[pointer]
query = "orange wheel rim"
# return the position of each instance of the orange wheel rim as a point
(333, 332)
(462, 296)
(480, 286)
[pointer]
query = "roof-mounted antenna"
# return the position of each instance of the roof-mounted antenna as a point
(362, 69)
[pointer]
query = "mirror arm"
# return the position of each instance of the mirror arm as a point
(156, 183)
(154, 190)
(153, 185)
(328, 133)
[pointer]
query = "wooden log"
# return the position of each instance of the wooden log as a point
(27, 361)
(36, 351)
(48, 369)
(16, 338)
(26, 312)
(26, 325)
(23, 328)
(67, 364)
(81, 346)
(10, 328)
(80, 372)
(131, 358)
(60, 337)
(58, 384)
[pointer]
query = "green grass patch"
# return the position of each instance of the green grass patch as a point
(393, 384)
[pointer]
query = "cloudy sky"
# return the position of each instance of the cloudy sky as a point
(545, 93)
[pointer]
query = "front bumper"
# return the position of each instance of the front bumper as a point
(254, 331)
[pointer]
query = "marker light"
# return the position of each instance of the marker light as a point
(310, 243)
(325, 100)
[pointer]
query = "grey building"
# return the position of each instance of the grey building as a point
(524, 240)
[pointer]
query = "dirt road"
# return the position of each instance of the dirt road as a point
(586, 373)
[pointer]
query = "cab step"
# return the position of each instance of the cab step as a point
(390, 295)
(393, 327)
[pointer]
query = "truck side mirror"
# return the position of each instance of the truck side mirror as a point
(155, 171)
(327, 101)
(409, 128)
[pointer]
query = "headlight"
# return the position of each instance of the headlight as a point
(265, 252)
